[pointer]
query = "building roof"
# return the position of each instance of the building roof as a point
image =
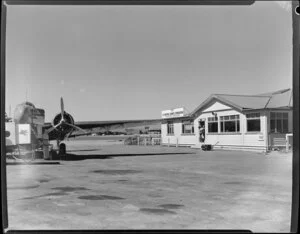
(274, 92)
(278, 99)
(245, 101)
(283, 99)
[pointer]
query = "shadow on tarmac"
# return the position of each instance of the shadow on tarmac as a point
(77, 157)
(83, 150)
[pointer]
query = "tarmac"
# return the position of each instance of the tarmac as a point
(152, 187)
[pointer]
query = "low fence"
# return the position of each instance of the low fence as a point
(281, 141)
(143, 140)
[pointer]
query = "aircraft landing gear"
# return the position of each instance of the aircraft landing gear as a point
(53, 154)
(62, 150)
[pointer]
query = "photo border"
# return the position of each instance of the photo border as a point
(296, 41)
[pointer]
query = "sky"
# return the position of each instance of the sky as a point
(132, 62)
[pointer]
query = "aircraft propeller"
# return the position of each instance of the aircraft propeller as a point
(76, 127)
(62, 109)
(62, 120)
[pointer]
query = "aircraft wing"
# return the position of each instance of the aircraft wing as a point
(118, 123)
(111, 123)
(114, 125)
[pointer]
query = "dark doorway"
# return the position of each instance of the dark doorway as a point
(202, 131)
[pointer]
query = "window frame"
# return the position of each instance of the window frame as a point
(228, 118)
(170, 126)
(279, 117)
(257, 116)
(212, 120)
(185, 123)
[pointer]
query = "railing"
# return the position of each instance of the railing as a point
(143, 140)
(281, 141)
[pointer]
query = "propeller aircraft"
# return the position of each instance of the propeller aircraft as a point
(63, 124)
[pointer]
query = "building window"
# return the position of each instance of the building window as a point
(212, 124)
(253, 122)
(279, 122)
(188, 127)
(170, 128)
(230, 123)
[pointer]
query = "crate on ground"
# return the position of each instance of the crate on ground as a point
(206, 147)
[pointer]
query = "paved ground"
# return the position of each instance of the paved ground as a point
(201, 190)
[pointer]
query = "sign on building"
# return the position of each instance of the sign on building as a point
(261, 137)
(177, 112)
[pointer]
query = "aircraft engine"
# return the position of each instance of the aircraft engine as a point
(63, 123)
(67, 121)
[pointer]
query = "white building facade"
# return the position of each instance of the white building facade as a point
(235, 122)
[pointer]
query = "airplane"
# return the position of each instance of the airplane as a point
(63, 124)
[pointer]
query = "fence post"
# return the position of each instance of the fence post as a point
(176, 142)
(286, 143)
(138, 140)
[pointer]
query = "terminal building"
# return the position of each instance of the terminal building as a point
(236, 122)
